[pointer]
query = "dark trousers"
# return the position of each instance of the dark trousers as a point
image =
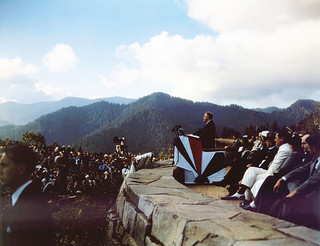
(266, 197)
(302, 210)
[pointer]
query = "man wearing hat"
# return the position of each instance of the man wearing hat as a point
(236, 172)
(254, 177)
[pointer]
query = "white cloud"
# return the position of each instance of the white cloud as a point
(22, 93)
(60, 59)
(53, 91)
(121, 77)
(262, 53)
(10, 68)
(263, 15)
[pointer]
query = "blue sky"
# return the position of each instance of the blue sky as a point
(251, 53)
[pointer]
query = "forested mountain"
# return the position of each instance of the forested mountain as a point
(20, 114)
(295, 112)
(4, 122)
(266, 110)
(147, 123)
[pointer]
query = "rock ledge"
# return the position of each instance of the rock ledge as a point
(155, 209)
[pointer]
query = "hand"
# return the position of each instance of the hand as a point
(277, 185)
(293, 193)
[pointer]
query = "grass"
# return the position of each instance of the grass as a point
(81, 220)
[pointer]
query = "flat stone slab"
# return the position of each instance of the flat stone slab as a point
(170, 213)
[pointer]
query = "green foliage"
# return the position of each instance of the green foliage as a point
(311, 122)
(250, 131)
(31, 138)
(147, 122)
(166, 153)
(82, 221)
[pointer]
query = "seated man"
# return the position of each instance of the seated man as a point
(258, 150)
(301, 205)
(232, 149)
(207, 134)
(254, 176)
(237, 171)
(266, 197)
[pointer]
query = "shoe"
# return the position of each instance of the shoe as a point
(245, 202)
(233, 198)
(219, 183)
(248, 207)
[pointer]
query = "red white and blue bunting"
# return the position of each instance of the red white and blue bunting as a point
(207, 165)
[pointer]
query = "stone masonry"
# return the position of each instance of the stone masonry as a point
(155, 209)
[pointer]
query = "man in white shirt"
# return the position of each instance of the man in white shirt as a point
(255, 176)
(26, 219)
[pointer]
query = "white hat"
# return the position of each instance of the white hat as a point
(264, 133)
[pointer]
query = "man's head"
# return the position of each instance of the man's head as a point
(304, 144)
(295, 143)
(282, 137)
(264, 136)
(313, 142)
(16, 166)
(207, 116)
(269, 139)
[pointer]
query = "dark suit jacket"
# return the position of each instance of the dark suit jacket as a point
(303, 208)
(309, 178)
(271, 153)
(29, 221)
(207, 135)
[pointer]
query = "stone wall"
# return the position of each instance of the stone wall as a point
(155, 209)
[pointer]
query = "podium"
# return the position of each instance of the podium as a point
(200, 165)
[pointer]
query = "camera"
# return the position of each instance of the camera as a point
(118, 140)
(121, 145)
(178, 130)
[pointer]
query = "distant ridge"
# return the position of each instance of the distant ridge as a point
(267, 110)
(147, 123)
(20, 114)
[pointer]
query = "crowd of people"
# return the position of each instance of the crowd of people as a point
(33, 177)
(65, 171)
(277, 174)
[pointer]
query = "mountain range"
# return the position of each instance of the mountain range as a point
(147, 123)
(20, 114)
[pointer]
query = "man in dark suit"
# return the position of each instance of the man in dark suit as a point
(26, 218)
(266, 197)
(301, 205)
(207, 134)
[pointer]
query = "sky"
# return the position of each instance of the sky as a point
(246, 52)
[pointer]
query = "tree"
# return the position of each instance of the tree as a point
(275, 126)
(311, 122)
(250, 131)
(31, 138)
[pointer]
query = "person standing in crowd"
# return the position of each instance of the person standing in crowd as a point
(26, 218)
(207, 134)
